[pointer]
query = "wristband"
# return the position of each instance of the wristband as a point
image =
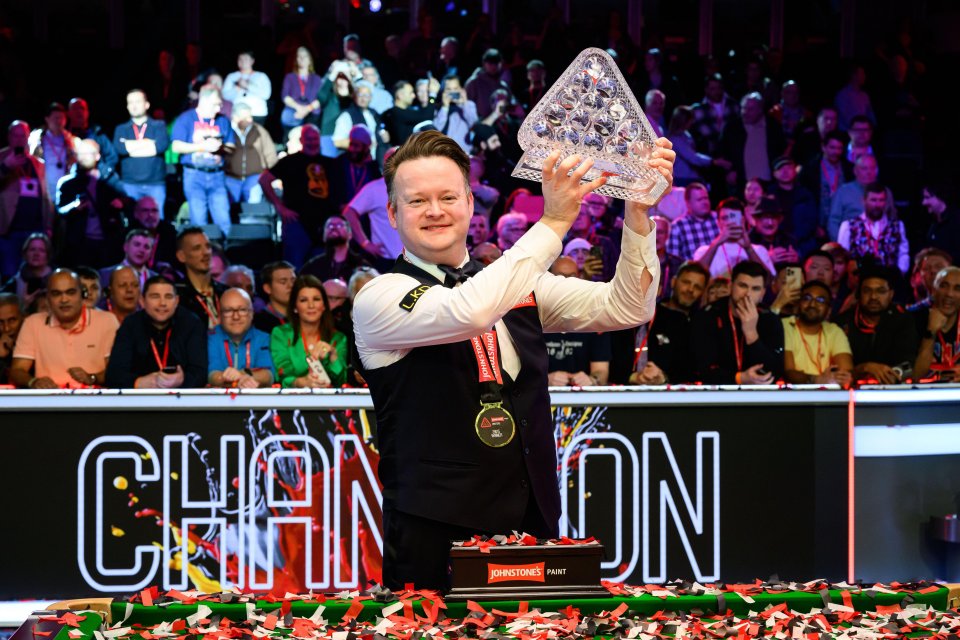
(30, 383)
(248, 371)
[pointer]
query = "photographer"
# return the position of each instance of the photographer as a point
(732, 244)
(456, 114)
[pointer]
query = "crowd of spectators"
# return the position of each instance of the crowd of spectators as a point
(790, 249)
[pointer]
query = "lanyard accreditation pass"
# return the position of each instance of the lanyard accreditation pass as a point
(494, 425)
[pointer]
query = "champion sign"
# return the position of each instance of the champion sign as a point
(510, 572)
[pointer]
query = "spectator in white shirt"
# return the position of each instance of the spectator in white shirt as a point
(732, 244)
(248, 86)
(456, 114)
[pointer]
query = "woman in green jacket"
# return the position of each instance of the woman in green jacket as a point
(308, 336)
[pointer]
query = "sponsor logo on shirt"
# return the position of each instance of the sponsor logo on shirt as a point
(528, 300)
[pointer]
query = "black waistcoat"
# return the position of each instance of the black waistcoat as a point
(432, 462)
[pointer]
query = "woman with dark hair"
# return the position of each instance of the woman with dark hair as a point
(30, 281)
(691, 164)
(308, 349)
(299, 94)
(336, 95)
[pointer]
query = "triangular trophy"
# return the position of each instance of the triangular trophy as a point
(591, 111)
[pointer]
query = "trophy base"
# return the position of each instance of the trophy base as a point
(622, 182)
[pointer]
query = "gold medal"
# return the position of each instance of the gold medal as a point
(494, 425)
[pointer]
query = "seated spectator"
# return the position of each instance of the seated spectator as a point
(818, 265)
(309, 196)
(926, 265)
(162, 346)
(25, 205)
(785, 289)
(200, 136)
(137, 251)
(696, 227)
(484, 196)
(240, 276)
(457, 114)
(141, 144)
(577, 250)
(147, 215)
(360, 277)
(734, 341)
(669, 263)
(11, 318)
(768, 233)
(576, 359)
(199, 291)
(238, 354)
(479, 230)
(219, 263)
(92, 221)
(663, 345)
(829, 361)
(510, 228)
(939, 353)
(716, 288)
(254, 152)
(861, 136)
(277, 280)
(875, 232)
(337, 260)
(881, 335)
(690, 162)
(338, 295)
(29, 281)
(944, 230)
(90, 286)
(754, 198)
(503, 123)
(842, 290)
(603, 260)
(359, 112)
(802, 220)
(123, 292)
(248, 86)
(308, 351)
(355, 168)
(299, 93)
(732, 244)
(847, 202)
(536, 85)
(78, 122)
(67, 347)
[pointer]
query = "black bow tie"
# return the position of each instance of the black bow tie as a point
(457, 275)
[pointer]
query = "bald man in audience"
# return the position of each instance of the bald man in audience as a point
(123, 292)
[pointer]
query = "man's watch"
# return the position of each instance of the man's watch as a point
(248, 371)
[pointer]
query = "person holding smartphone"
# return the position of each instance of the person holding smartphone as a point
(732, 244)
(457, 114)
(162, 346)
(25, 205)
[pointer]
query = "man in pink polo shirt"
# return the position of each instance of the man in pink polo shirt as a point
(69, 346)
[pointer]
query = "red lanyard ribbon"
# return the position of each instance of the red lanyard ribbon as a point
(226, 349)
(737, 347)
(162, 363)
(488, 365)
(806, 347)
(303, 88)
(139, 133)
(214, 318)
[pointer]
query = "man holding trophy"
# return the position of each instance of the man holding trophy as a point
(457, 365)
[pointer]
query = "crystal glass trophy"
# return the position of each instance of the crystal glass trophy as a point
(591, 111)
